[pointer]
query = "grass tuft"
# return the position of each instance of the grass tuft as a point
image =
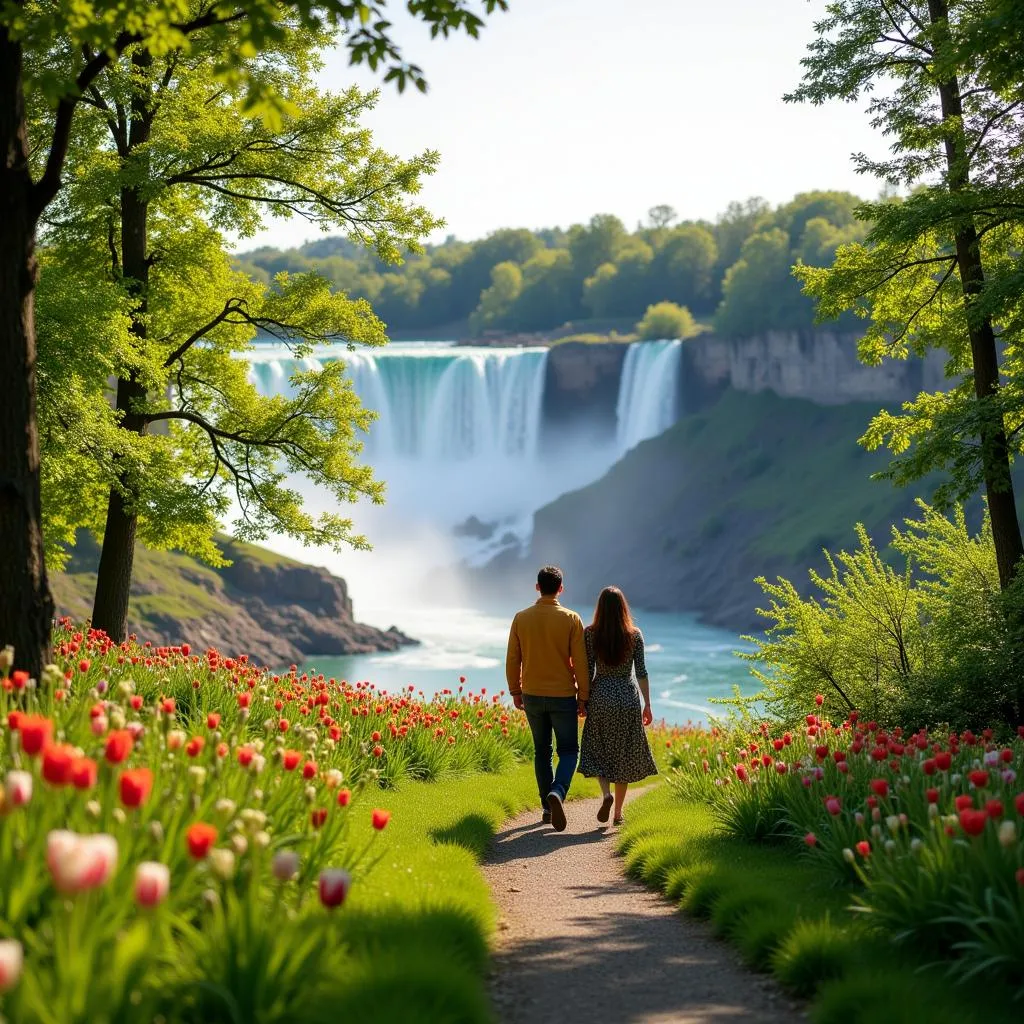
(813, 952)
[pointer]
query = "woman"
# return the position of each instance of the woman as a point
(614, 746)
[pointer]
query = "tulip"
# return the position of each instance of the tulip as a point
(309, 770)
(176, 739)
(943, 760)
(334, 886)
(880, 786)
(1008, 833)
(80, 862)
(318, 817)
(994, 808)
(36, 732)
(12, 958)
(99, 725)
(380, 819)
(119, 746)
(290, 760)
(18, 788)
(58, 761)
(135, 786)
(344, 797)
(152, 883)
(833, 805)
(222, 863)
(972, 821)
(84, 771)
(864, 848)
(200, 837)
(811, 839)
(979, 778)
(212, 720)
(285, 865)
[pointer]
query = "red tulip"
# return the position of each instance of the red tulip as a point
(344, 797)
(136, 702)
(1020, 876)
(973, 822)
(333, 887)
(781, 767)
(318, 817)
(821, 752)
(212, 720)
(119, 746)
(819, 699)
(994, 808)
(979, 778)
(880, 786)
(290, 760)
(943, 760)
(135, 786)
(833, 805)
(245, 756)
(309, 770)
(194, 747)
(932, 795)
(864, 848)
(200, 837)
(84, 771)
(58, 759)
(811, 839)
(1018, 802)
(36, 732)
(963, 802)
(380, 818)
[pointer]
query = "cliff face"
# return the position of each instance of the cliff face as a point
(820, 366)
(274, 609)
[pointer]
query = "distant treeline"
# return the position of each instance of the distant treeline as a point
(734, 272)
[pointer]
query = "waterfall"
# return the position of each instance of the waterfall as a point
(435, 403)
(648, 402)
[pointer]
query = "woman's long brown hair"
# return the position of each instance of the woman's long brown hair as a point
(612, 628)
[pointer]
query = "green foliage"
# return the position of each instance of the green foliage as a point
(933, 641)
(940, 269)
(216, 446)
(597, 269)
(786, 917)
(666, 320)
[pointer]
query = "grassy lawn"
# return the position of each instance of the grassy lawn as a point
(785, 917)
(419, 925)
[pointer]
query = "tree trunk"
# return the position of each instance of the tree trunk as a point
(117, 558)
(995, 450)
(26, 607)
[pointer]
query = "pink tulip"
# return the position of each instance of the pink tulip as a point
(11, 959)
(334, 886)
(152, 883)
(99, 725)
(18, 788)
(285, 865)
(136, 729)
(80, 862)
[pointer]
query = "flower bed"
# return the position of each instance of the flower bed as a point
(928, 829)
(175, 828)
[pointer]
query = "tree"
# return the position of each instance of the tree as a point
(758, 293)
(97, 33)
(661, 216)
(497, 301)
(148, 199)
(622, 288)
(667, 320)
(685, 266)
(934, 271)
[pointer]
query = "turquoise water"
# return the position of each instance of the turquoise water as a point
(687, 663)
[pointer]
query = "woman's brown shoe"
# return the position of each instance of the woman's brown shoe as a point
(606, 808)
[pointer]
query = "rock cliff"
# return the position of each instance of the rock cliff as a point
(274, 609)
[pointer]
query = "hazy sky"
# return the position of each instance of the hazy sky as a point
(566, 108)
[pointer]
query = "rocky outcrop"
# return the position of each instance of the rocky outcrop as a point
(818, 365)
(582, 385)
(276, 610)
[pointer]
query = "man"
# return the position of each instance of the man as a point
(546, 670)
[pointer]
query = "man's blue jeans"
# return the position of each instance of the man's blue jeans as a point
(557, 714)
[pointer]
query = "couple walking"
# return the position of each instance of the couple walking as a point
(557, 671)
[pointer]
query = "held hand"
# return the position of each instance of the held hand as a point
(517, 699)
(581, 708)
(648, 715)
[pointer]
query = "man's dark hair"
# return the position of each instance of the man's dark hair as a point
(549, 579)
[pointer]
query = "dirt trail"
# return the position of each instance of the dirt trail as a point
(579, 942)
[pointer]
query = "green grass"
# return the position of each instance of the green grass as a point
(785, 916)
(419, 925)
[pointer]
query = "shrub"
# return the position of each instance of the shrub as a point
(665, 320)
(932, 641)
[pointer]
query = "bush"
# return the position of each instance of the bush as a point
(665, 320)
(930, 642)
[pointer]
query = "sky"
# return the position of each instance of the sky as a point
(567, 108)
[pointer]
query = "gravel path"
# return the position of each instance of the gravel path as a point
(579, 942)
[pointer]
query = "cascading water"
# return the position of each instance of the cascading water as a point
(458, 436)
(648, 392)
